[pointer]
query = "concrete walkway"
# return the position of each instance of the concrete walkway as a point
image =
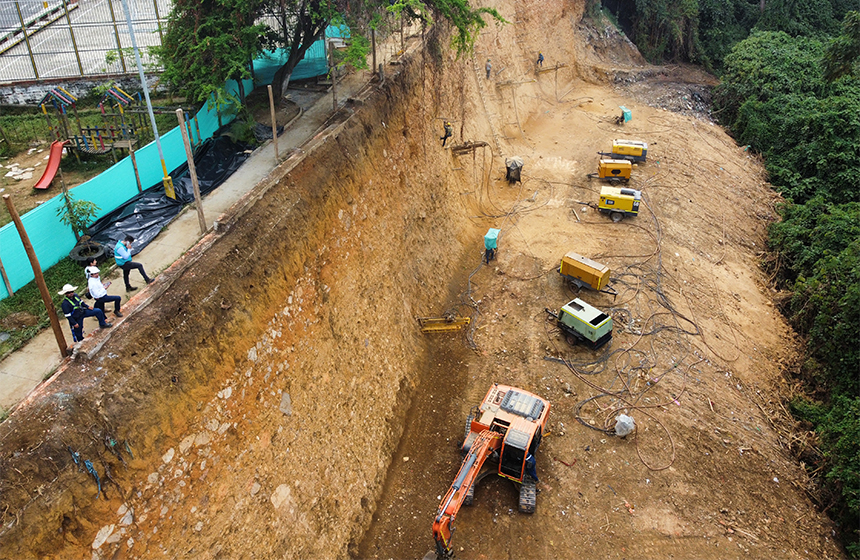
(25, 369)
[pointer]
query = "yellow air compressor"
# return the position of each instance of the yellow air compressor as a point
(631, 150)
(613, 170)
(619, 202)
(583, 272)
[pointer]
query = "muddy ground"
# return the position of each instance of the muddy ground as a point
(278, 400)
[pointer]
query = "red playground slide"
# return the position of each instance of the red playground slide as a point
(54, 158)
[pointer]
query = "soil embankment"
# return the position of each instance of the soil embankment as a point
(278, 400)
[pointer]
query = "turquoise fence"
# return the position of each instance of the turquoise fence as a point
(52, 240)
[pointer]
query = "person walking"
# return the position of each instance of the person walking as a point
(122, 254)
(449, 131)
(489, 68)
(540, 59)
(76, 311)
(98, 290)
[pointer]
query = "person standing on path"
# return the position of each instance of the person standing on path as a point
(540, 59)
(76, 311)
(122, 254)
(489, 68)
(98, 290)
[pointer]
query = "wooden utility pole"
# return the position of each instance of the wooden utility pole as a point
(6, 280)
(333, 79)
(192, 170)
(40, 280)
(274, 121)
(373, 46)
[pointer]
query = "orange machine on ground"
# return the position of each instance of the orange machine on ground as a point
(613, 170)
(502, 437)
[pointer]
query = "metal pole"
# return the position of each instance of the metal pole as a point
(274, 122)
(116, 34)
(192, 170)
(40, 280)
(168, 182)
(26, 39)
(72, 33)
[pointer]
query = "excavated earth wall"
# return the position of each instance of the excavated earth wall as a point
(262, 391)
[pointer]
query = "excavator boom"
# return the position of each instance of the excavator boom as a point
(483, 447)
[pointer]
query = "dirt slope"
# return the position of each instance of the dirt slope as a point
(278, 400)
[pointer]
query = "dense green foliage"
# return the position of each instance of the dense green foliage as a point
(208, 42)
(704, 31)
(774, 97)
(843, 53)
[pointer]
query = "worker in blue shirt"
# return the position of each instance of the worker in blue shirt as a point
(76, 311)
(540, 59)
(531, 463)
(122, 254)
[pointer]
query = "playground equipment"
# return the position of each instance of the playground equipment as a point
(54, 157)
(91, 139)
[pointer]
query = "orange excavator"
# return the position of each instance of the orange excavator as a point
(502, 437)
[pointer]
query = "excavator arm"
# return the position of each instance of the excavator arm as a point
(443, 525)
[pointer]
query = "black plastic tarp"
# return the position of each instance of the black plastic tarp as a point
(146, 214)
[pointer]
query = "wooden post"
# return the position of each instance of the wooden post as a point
(373, 46)
(8, 284)
(192, 170)
(333, 78)
(40, 280)
(274, 122)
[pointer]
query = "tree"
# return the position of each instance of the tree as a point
(76, 214)
(208, 42)
(842, 55)
(300, 24)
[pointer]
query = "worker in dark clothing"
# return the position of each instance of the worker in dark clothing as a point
(489, 68)
(531, 463)
(540, 59)
(76, 311)
(449, 131)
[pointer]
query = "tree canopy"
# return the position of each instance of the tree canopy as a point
(210, 41)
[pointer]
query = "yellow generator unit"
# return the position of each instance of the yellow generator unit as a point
(619, 203)
(631, 150)
(613, 170)
(585, 273)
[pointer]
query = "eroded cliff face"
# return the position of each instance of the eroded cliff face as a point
(260, 394)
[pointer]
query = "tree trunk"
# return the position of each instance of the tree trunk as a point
(761, 6)
(241, 85)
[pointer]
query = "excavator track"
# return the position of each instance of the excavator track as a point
(528, 495)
